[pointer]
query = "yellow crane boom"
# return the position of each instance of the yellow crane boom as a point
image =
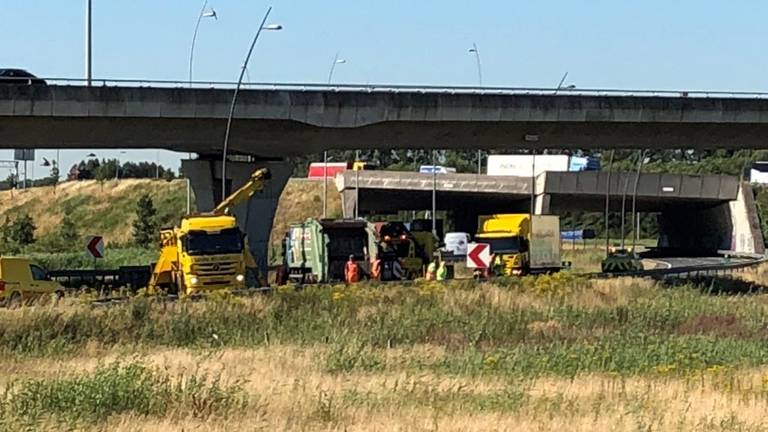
(253, 185)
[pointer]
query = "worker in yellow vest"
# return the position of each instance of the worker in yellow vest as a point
(442, 271)
(432, 270)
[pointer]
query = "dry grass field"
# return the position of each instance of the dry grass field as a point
(547, 353)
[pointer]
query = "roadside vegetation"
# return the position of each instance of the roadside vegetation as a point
(519, 354)
(50, 224)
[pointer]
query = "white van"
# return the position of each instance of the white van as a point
(457, 242)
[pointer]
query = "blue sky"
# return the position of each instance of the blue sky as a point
(651, 44)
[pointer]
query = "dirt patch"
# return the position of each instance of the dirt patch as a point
(716, 325)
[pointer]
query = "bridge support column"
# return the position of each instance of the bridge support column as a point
(255, 217)
(542, 204)
(348, 203)
(746, 236)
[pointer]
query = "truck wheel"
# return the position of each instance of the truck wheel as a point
(58, 297)
(15, 301)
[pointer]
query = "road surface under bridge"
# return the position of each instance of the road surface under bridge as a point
(695, 212)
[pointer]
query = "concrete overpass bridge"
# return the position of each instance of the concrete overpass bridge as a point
(277, 120)
(695, 212)
(274, 121)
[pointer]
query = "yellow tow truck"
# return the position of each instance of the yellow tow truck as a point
(207, 251)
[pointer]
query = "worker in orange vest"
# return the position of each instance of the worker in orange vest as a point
(352, 271)
(376, 268)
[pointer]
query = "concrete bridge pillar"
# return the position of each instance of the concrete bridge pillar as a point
(255, 217)
(746, 235)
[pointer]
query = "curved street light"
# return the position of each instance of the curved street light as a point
(262, 26)
(336, 61)
(476, 52)
(203, 14)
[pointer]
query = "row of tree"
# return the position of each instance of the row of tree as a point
(95, 169)
(686, 161)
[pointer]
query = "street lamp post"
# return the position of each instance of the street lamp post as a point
(88, 43)
(476, 52)
(336, 60)
(357, 184)
(635, 215)
(562, 86)
(325, 185)
(262, 26)
(434, 194)
(117, 168)
(608, 206)
(203, 14)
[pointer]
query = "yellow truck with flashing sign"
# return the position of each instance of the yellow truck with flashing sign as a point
(22, 281)
(207, 252)
(520, 247)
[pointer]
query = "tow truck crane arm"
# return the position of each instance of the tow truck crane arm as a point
(253, 185)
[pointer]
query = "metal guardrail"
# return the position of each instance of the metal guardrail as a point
(401, 88)
(685, 271)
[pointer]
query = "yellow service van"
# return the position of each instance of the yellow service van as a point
(22, 281)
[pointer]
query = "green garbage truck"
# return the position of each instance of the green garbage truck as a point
(317, 250)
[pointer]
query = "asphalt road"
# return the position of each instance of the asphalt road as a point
(671, 262)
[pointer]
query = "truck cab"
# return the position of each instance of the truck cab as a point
(205, 253)
(22, 281)
(520, 247)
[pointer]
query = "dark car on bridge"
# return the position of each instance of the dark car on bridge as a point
(19, 77)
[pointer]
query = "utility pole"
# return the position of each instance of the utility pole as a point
(357, 184)
(635, 215)
(325, 185)
(88, 43)
(608, 206)
(434, 193)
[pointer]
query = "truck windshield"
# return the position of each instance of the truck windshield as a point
(228, 241)
(505, 244)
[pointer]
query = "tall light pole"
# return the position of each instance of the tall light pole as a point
(357, 184)
(476, 52)
(635, 215)
(325, 184)
(262, 26)
(608, 206)
(434, 193)
(336, 61)
(88, 43)
(117, 168)
(203, 14)
(623, 208)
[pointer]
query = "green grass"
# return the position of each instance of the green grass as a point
(114, 258)
(559, 325)
(116, 388)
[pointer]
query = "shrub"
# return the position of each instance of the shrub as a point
(119, 388)
(145, 224)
